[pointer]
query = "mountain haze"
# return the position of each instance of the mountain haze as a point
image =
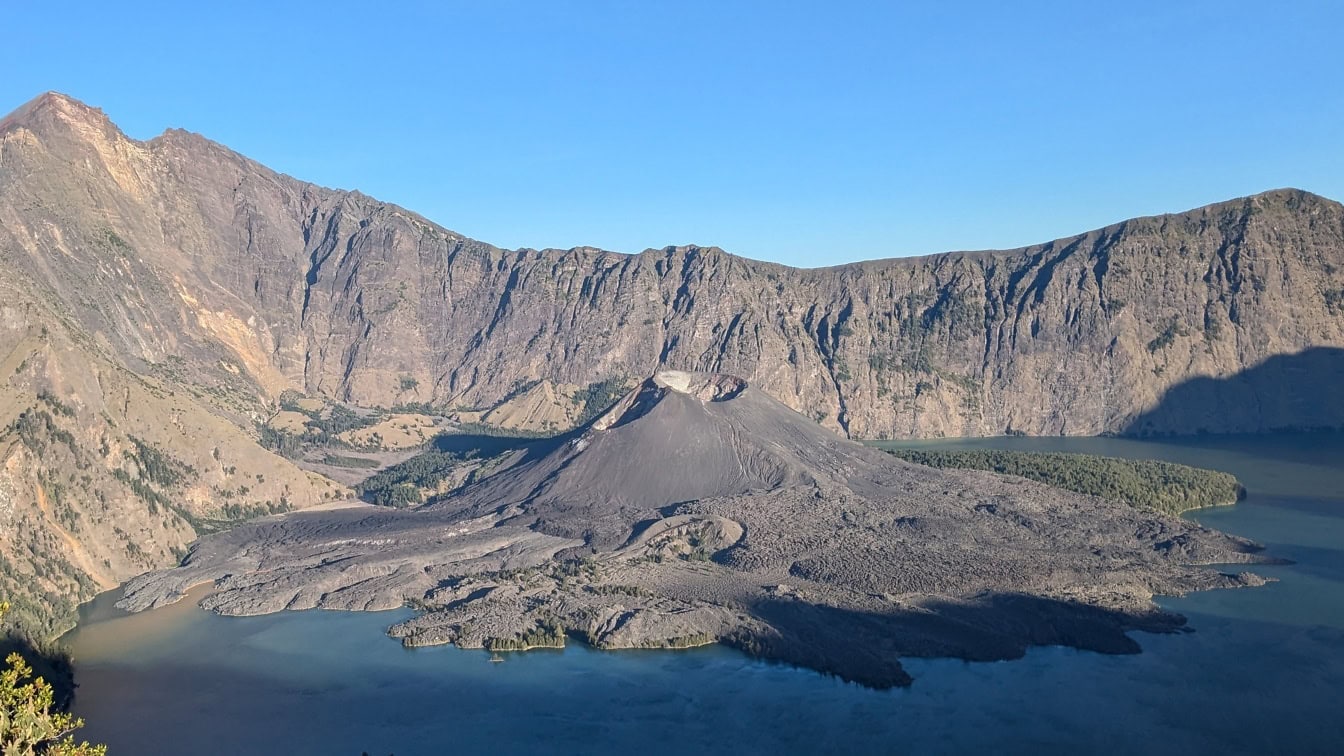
(159, 296)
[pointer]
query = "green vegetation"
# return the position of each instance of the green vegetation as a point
(337, 420)
(841, 372)
(397, 495)
(956, 310)
(491, 431)
(151, 471)
(341, 460)
(43, 594)
(111, 241)
(583, 568)
(232, 514)
(401, 485)
(157, 466)
(57, 406)
(679, 642)
(1141, 483)
(1170, 331)
(280, 442)
(546, 634)
(37, 430)
(29, 721)
(414, 408)
(1334, 301)
(320, 429)
(598, 396)
(617, 590)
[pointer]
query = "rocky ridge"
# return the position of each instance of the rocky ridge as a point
(178, 246)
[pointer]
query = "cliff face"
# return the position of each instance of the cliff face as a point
(114, 455)
(156, 297)
(106, 473)
(178, 249)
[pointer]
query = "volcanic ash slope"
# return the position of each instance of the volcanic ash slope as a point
(699, 509)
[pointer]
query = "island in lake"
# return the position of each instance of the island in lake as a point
(698, 510)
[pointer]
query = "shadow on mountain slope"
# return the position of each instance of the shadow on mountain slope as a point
(489, 445)
(1285, 392)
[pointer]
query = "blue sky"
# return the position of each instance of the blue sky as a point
(807, 133)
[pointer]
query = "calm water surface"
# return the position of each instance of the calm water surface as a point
(1261, 672)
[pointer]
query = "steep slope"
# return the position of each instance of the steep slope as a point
(677, 437)
(704, 510)
(105, 473)
(177, 246)
(111, 460)
(158, 297)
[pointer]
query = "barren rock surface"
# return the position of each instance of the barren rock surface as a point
(690, 514)
(172, 289)
(179, 246)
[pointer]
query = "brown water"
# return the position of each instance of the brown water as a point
(1262, 671)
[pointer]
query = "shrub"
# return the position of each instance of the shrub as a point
(1141, 483)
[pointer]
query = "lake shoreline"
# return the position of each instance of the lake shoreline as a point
(1245, 671)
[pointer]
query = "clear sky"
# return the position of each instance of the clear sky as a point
(807, 133)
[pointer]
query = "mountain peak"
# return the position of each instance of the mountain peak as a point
(51, 107)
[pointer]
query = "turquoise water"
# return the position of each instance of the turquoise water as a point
(1261, 671)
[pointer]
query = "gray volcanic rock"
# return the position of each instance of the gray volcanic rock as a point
(677, 437)
(706, 511)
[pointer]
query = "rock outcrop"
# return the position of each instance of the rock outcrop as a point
(701, 509)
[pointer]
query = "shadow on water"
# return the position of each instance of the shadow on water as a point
(1205, 692)
(1284, 453)
(1285, 392)
(1260, 673)
(866, 647)
(49, 662)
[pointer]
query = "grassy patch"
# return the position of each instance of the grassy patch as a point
(1141, 483)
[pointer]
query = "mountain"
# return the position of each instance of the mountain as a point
(676, 437)
(168, 293)
(701, 509)
(177, 246)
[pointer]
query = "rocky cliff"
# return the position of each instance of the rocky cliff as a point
(177, 248)
(201, 285)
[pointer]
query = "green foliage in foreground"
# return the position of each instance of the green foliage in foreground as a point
(1141, 483)
(29, 723)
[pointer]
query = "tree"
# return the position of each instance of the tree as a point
(28, 726)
